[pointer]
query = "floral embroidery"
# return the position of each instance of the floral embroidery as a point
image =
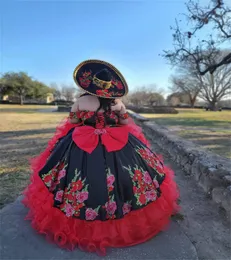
(74, 196)
(110, 181)
(117, 83)
(144, 188)
(152, 160)
(54, 176)
(103, 93)
(91, 214)
(59, 195)
(126, 208)
(86, 79)
(111, 205)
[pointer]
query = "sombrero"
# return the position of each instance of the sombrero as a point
(100, 78)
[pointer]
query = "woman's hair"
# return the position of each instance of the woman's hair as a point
(105, 103)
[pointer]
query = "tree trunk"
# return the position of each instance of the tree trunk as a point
(192, 102)
(212, 105)
(21, 100)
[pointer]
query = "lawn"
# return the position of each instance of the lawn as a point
(24, 132)
(211, 130)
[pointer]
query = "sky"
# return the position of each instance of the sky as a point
(48, 39)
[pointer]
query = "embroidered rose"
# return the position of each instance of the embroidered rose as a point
(70, 197)
(61, 174)
(150, 195)
(110, 180)
(47, 178)
(82, 196)
(126, 208)
(69, 210)
(53, 186)
(76, 186)
(147, 178)
(84, 82)
(119, 85)
(103, 93)
(137, 175)
(111, 207)
(90, 214)
(59, 196)
(142, 199)
(156, 183)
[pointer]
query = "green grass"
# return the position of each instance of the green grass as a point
(211, 130)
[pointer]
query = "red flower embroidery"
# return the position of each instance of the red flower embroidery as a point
(61, 174)
(69, 210)
(142, 199)
(48, 178)
(103, 93)
(111, 207)
(137, 176)
(156, 183)
(147, 178)
(151, 195)
(59, 196)
(82, 196)
(76, 186)
(84, 82)
(110, 180)
(70, 197)
(126, 208)
(90, 214)
(119, 85)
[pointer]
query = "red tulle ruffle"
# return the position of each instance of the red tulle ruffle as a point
(136, 227)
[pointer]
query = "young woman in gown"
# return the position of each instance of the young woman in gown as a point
(98, 184)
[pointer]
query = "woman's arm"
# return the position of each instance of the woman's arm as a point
(72, 117)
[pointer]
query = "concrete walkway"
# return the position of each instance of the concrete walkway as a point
(20, 242)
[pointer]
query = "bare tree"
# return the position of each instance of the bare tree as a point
(216, 86)
(202, 51)
(69, 92)
(56, 91)
(146, 97)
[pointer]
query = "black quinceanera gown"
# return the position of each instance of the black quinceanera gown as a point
(99, 185)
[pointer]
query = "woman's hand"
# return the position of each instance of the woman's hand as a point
(119, 106)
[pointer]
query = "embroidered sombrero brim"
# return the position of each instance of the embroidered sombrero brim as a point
(85, 76)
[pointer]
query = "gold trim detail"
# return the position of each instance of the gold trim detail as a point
(101, 83)
(111, 67)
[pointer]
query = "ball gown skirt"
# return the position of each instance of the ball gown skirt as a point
(94, 188)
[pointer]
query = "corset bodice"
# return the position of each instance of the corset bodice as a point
(97, 120)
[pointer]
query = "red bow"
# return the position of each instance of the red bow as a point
(87, 138)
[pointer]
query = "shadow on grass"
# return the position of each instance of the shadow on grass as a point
(15, 155)
(27, 132)
(194, 122)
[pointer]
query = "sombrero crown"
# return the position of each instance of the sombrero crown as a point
(100, 79)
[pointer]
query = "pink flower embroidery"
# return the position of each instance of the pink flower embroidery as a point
(111, 207)
(82, 196)
(110, 180)
(69, 210)
(150, 195)
(90, 214)
(156, 183)
(61, 174)
(59, 196)
(126, 208)
(147, 178)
